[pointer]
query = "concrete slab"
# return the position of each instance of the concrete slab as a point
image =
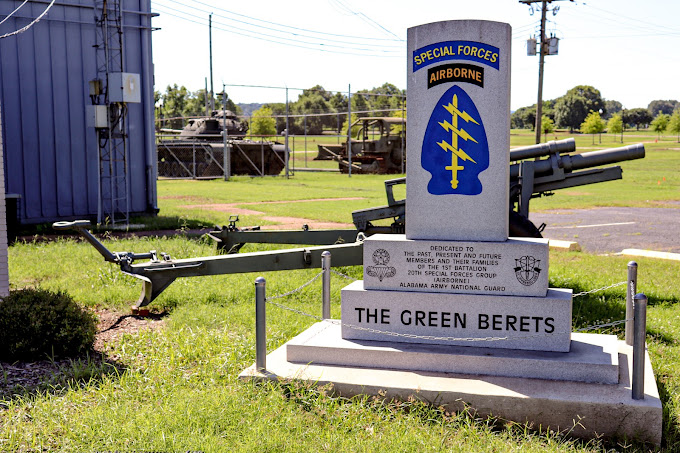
(580, 409)
(513, 322)
(517, 267)
(651, 254)
(593, 358)
(569, 246)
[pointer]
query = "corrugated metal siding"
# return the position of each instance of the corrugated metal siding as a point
(4, 262)
(50, 155)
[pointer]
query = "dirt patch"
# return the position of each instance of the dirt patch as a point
(228, 208)
(293, 223)
(113, 325)
(225, 206)
(283, 222)
(19, 377)
(193, 198)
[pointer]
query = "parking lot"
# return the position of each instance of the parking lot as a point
(612, 229)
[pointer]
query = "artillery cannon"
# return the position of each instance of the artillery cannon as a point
(553, 169)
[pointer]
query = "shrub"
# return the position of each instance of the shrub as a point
(36, 324)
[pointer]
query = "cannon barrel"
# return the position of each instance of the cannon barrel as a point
(543, 149)
(586, 160)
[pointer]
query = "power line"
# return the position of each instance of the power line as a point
(273, 29)
(276, 39)
(365, 18)
(37, 19)
(652, 29)
(10, 14)
(293, 27)
(634, 20)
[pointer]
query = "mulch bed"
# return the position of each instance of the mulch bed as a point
(22, 377)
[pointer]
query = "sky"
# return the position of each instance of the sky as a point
(628, 49)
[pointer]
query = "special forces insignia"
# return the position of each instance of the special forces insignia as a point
(381, 270)
(527, 270)
(455, 148)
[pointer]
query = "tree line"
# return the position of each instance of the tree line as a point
(584, 101)
(314, 111)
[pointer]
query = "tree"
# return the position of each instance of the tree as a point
(572, 108)
(593, 124)
(309, 106)
(547, 125)
(219, 104)
(666, 107)
(384, 98)
(174, 104)
(262, 122)
(615, 125)
(317, 89)
(674, 124)
(638, 117)
(339, 103)
(524, 118)
(611, 107)
(279, 110)
(196, 104)
(659, 123)
(399, 114)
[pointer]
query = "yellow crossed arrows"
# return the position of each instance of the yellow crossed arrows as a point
(452, 127)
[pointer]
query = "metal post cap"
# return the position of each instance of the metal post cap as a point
(260, 281)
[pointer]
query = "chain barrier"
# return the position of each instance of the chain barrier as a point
(599, 289)
(433, 337)
(343, 275)
(296, 290)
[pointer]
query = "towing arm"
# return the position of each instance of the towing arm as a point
(157, 274)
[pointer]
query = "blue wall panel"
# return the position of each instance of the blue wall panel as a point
(51, 156)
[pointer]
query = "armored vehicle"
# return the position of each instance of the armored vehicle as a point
(379, 147)
(197, 151)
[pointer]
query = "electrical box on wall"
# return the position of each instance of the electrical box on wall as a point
(124, 87)
(97, 116)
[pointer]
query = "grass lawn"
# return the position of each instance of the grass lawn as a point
(176, 389)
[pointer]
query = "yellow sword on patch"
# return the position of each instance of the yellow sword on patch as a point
(456, 152)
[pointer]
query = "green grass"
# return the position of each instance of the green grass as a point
(176, 389)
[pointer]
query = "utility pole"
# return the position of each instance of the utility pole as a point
(212, 97)
(542, 52)
(541, 61)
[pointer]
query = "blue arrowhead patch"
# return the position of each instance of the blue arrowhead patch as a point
(455, 149)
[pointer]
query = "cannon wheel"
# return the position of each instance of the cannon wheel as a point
(520, 226)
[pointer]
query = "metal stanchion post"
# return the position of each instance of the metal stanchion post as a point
(631, 290)
(260, 325)
(326, 285)
(639, 334)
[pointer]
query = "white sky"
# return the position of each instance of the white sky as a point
(628, 49)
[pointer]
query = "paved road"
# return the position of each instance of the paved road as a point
(610, 230)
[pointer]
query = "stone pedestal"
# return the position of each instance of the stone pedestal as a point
(454, 311)
(506, 322)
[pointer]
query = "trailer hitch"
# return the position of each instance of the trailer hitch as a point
(157, 274)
